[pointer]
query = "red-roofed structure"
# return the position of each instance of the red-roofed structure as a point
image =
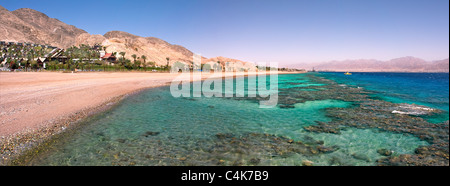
(109, 57)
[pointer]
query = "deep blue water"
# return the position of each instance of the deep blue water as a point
(428, 89)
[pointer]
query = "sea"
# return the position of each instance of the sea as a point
(155, 128)
(428, 89)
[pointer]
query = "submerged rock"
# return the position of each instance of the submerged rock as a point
(323, 128)
(246, 147)
(150, 133)
(336, 161)
(255, 161)
(384, 152)
(121, 140)
(286, 106)
(359, 156)
(307, 163)
(224, 136)
(324, 149)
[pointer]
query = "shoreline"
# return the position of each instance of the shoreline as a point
(405, 72)
(16, 144)
(32, 141)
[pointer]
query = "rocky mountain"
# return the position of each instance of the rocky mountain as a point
(154, 49)
(403, 64)
(237, 64)
(439, 66)
(221, 59)
(27, 25)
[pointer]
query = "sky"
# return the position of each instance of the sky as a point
(283, 31)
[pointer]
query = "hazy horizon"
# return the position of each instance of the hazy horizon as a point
(288, 32)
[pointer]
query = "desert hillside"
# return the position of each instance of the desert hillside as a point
(28, 25)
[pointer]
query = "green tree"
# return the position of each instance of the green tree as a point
(138, 64)
(29, 59)
(34, 65)
(55, 65)
(123, 55)
(144, 58)
(104, 64)
(69, 64)
(167, 66)
(144, 63)
(135, 65)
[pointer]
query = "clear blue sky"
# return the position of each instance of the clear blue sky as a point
(285, 31)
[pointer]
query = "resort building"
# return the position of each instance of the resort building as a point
(109, 57)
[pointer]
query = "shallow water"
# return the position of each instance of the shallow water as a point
(154, 128)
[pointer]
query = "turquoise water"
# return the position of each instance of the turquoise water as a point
(154, 128)
(428, 89)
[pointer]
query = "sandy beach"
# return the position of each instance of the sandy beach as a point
(33, 100)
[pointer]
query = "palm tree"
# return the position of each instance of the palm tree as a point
(144, 58)
(89, 55)
(134, 56)
(144, 64)
(30, 59)
(167, 66)
(137, 64)
(123, 55)
(122, 60)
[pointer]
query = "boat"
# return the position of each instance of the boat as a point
(348, 73)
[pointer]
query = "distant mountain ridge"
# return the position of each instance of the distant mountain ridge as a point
(28, 25)
(403, 64)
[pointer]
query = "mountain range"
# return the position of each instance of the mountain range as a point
(403, 64)
(28, 25)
